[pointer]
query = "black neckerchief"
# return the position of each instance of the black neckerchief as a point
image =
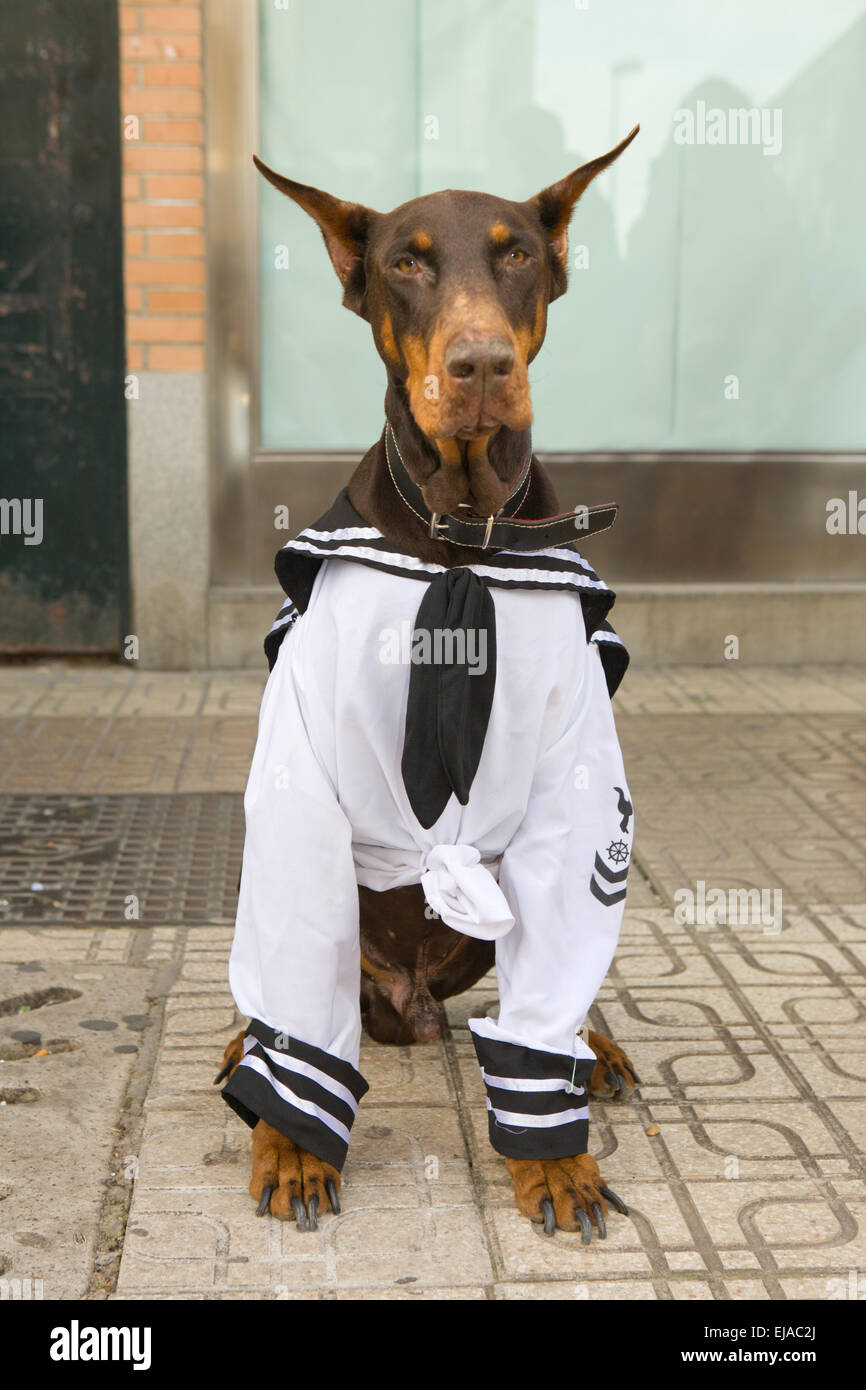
(505, 531)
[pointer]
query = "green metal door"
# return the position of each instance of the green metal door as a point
(63, 523)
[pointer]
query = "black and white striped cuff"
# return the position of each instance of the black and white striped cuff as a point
(309, 1095)
(536, 1101)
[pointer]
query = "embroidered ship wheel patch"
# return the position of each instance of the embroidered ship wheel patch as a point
(607, 883)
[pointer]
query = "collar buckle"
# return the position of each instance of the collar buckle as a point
(488, 532)
(436, 526)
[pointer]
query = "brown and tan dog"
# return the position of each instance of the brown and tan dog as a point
(456, 287)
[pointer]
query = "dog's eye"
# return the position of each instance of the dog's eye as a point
(408, 265)
(516, 256)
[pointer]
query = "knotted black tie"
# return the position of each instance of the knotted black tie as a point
(450, 696)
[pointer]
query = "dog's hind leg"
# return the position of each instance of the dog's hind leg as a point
(613, 1075)
(232, 1057)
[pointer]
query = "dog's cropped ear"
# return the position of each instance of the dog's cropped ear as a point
(344, 226)
(555, 204)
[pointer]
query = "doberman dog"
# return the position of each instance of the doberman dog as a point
(455, 286)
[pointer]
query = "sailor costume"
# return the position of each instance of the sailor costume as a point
(486, 768)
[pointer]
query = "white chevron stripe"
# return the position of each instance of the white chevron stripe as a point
(565, 1117)
(410, 563)
(550, 1084)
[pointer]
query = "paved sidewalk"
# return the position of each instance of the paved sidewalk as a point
(742, 1156)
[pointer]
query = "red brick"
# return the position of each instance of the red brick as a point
(175, 302)
(175, 359)
(166, 101)
(172, 74)
(174, 186)
(172, 132)
(179, 245)
(141, 272)
(147, 328)
(179, 18)
(163, 215)
(162, 158)
(149, 46)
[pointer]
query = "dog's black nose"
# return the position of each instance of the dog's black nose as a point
(469, 358)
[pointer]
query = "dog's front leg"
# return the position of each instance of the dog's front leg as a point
(291, 1183)
(287, 1181)
(565, 1192)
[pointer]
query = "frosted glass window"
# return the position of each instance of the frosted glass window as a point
(720, 299)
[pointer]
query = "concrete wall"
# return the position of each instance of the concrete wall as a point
(169, 519)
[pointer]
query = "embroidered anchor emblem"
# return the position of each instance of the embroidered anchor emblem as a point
(625, 809)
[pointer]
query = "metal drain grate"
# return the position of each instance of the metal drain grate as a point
(78, 859)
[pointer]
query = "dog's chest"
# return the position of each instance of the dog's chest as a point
(353, 655)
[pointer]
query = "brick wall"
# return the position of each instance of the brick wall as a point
(163, 184)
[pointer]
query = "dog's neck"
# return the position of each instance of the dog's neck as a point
(375, 497)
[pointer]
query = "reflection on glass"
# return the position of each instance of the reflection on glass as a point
(717, 290)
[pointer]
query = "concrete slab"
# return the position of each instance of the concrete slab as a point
(67, 1114)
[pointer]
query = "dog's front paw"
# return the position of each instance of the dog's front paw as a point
(613, 1075)
(232, 1057)
(565, 1192)
(293, 1184)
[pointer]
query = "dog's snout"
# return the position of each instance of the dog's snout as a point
(474, 359)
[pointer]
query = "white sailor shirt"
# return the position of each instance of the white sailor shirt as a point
(534, 855)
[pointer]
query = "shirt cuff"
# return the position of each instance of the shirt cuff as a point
(536, 1100)
(307, 1094)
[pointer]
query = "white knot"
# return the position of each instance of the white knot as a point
(464, 893)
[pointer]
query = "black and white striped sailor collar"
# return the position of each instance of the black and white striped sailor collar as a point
(342, 533)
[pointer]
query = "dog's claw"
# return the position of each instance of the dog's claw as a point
(222, 1073)
(333, 1197)
(611, 1080)
(634, 1076)
(585, 1225)
(599, 1220)
(264, 1201)
(549, 1216)
(312, 1213)
(300, 1213)
(616, 1202)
